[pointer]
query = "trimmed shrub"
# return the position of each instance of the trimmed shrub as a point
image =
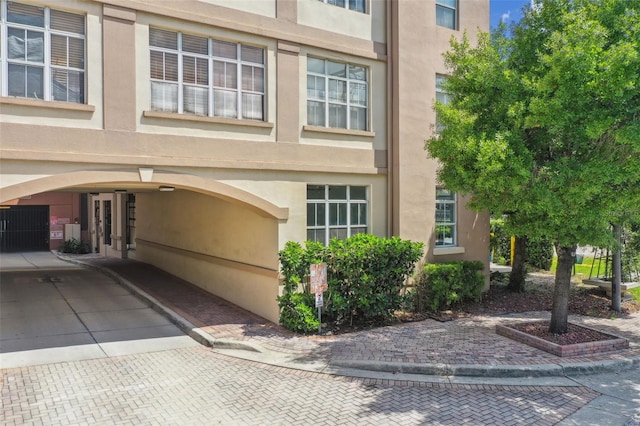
(365, 275)
(442, 285)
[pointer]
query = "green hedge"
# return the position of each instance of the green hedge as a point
(365, 275)
(539, 254)
(442, 285)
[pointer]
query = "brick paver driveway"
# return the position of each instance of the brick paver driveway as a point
(199, 386)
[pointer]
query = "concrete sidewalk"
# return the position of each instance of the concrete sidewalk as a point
(461, 348)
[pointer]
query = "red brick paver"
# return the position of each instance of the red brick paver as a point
(465, 341)
(196, 386)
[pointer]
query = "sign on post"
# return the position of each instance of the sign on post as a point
(318, 284)
(318, 277)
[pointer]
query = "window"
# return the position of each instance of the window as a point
(336, 212)
(202, 76)
(42, 54)
(357, 5)
(337, 94)
(445, 218)
(441, 96)
(446, 13)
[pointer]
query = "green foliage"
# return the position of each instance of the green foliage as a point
(544, 125)
(539, 251)
(442, 285)
(631, 253)
(539, 254)
(295, 262)
(297, 312)
(74, 246)
(365, 275)
(500, 242)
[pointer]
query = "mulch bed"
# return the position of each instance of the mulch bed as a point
(575, 333)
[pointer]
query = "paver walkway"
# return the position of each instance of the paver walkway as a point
(198, 387)
(465, 342)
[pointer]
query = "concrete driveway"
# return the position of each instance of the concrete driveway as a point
(52, 311)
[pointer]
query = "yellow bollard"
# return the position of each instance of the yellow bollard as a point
(513, 248)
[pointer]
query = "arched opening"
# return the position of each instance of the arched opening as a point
(216, 236)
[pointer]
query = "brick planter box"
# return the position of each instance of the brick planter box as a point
(578, 349)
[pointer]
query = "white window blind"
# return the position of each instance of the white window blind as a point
(446, 13)
(202, 76)
(45, 53)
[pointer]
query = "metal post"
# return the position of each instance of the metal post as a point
(617, 271)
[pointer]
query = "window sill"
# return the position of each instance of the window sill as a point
(203, 119)
(69, 106)
(438, 251)
(319, 129)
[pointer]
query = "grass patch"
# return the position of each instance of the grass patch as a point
(583, 268)
(635, 293)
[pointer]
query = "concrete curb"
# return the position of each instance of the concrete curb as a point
(495, 371)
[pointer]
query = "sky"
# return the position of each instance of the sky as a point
(506, 10)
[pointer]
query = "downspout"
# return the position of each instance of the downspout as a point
(391, 122)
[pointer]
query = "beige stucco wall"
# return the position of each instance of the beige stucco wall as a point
(368, 26)
(290, 189)
(222, 248)
(259, 7)
(416, 53)
(242, 182)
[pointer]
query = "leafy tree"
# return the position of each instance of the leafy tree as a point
(544, 125)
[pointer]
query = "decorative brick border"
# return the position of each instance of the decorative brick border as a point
(578, 349)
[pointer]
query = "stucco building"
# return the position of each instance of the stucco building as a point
(201, 136)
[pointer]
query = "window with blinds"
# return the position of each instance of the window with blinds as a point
(446, 13)
(203, 76)
(43, 53)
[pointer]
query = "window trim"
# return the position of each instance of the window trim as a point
(456, 10)
(348, 201)
(348, 104)
(211, 88)
(47, 65)
(346, 6)
(453, 224)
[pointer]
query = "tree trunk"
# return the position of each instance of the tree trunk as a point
(518, 269)
(616, 282)
(560, 310)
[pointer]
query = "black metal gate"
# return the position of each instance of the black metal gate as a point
(24, 228)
